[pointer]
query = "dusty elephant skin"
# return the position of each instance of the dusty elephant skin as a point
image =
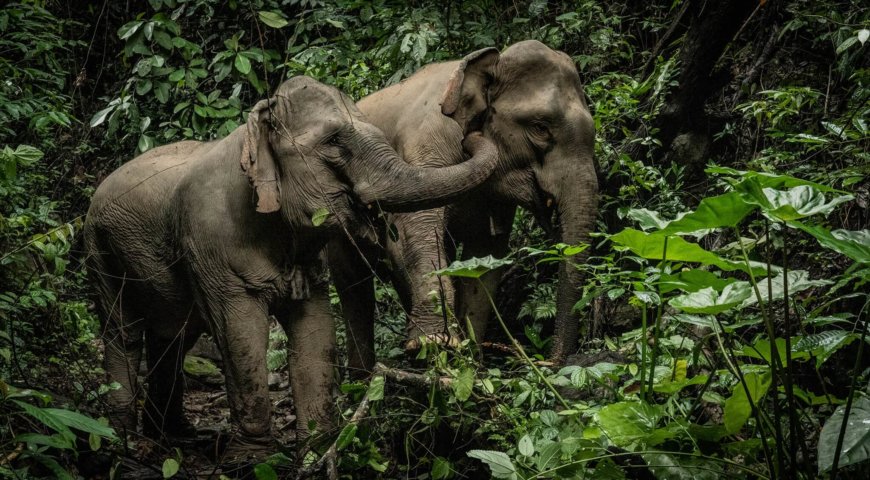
(193, 237)
(529, 101)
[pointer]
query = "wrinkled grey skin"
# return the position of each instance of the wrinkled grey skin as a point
(194, 237)
(529, 101)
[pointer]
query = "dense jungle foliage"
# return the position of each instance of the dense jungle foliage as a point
(725, 312)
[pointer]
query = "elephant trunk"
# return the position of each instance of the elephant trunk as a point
(577, 213)
(399, 187)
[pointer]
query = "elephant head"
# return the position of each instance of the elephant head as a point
(529, 101)
(308, 149)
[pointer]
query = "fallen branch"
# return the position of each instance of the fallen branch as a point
(412, 379)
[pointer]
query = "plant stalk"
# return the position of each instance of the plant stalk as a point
(520, 349)
(848, 409)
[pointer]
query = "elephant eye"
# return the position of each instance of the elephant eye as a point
(540, 130)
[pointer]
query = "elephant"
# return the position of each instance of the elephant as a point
(216, 236)
(529, 101)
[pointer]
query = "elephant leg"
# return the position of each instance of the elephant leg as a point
(419, 251)
(164, 408)
(311, 333)
(354, 281)
(240, 325)
(472, 296)
(122, 336)
(123, 353)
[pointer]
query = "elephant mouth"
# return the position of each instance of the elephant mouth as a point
(544, 210)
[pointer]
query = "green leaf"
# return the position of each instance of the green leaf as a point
(798, 281)
(101, 116)
(499, 463)
(549, 456)
(768, 180)
(526, 446)
(824, 344)
(161, 91)
(473, 267)
(273, 19)
(81, 422)
(264, 471)
(713, 212)
(854, 244)
(708, 301)
(680, 467)
(693, 280)
(200, 367)
(463, 384)
(345, 438)
(47, 419)
(170, 468)
(55, 441)
(856, 442)
(647, 219)
(319, 216)
(376, 388)
(626, 423)
(128, 29)
(145, 143)
(27, 155)
(799, 202)
(176, 75)
(243, 65)
(738, 407)
(651, 246)
(440, 468)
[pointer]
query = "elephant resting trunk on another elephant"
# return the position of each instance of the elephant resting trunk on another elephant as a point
(529, 101)
(181, 240)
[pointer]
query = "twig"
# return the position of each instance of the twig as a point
(329, 459)
(663, 40)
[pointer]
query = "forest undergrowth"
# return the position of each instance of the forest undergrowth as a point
(725, 307)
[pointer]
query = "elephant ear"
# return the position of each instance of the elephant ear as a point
(257, 160)
(466, 95)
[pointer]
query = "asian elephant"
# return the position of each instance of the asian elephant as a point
(529, 101)
(216, 236)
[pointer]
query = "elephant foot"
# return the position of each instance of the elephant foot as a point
(440, 339)
(175, 428)
(249, 449)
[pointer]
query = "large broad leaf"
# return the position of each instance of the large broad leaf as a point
(798, 281)
(473, 267)
(854, 244)
(824, 344)
(714, 212)
(80, 422)
(627, 423)
(693, 280)
(769, 180)
(499, 463)
(795, 203)
(709, 301)
(651, 246)
(856, 442)
(738, 407)
(47, 419)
